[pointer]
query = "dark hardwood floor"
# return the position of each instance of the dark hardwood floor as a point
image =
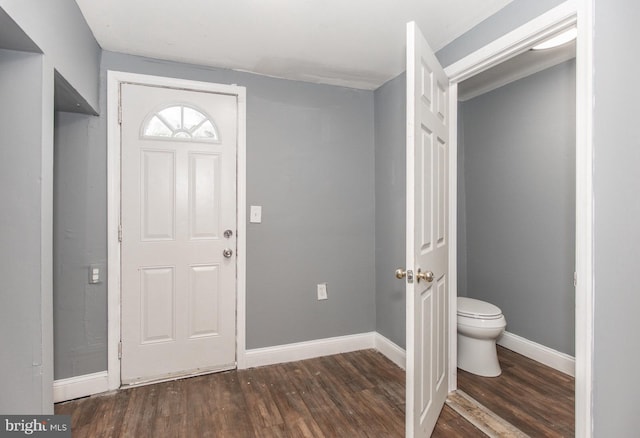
(358, 394)
(536, 399)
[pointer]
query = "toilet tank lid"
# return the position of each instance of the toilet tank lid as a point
(478, 308)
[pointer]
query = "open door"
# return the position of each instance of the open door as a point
(427, 236)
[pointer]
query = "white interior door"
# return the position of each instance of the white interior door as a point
(178, 218)
(427, 236)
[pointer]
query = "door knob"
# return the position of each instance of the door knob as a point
(401, 273)
(227, 253)
(426, 276)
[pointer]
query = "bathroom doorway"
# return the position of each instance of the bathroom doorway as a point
(516, 199)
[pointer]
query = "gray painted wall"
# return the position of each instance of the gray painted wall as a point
(617, 219)
(310, 164)
(79, 307)
(60, 31)
(26, 164)
(519, 182)
(390, 190)
(12, 37)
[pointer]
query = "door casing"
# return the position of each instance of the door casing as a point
(114, 79)
(571, 13)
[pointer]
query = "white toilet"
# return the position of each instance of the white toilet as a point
(479, 325)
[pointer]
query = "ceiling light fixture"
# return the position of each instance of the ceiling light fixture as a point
(558, 40)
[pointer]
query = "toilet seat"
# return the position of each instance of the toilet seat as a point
(477, 309)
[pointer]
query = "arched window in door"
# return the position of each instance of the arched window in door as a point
(180, 122)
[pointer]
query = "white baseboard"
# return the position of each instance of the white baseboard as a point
(545, 355)
(89, 384)
(80, 386)
(392, 351)
(307, 350)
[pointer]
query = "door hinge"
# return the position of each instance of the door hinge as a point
(120, 350)
(120, 233)
(120, 104)
(575, 279)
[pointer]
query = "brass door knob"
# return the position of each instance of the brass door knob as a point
(401, 273)
(426, 276)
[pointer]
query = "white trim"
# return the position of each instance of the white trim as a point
(258, 357)
(584, 222)
(545, 355)
(114, 79)
(410, 116)
(521, 72)
(515, 42)
(113, 221)
(569, 13)
(241, 236)
(452, 345)
(390, 350)
(44, 364)
(80, 386)
(89, 384)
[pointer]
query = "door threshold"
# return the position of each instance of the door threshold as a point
(482, 417)
(178, 376)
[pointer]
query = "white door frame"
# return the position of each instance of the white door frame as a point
(570, 13)
(114, 79)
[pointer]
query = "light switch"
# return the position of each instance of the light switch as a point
(322, 291)
(94, 274)
(255, 214)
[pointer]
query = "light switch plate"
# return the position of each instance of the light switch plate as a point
(322, 291)
(255, 214)
(94, 274)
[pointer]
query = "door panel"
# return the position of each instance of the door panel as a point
(204, 195)
(427, 242)
(158, 195)
(157, 290)
(178, 197)
(204, 290)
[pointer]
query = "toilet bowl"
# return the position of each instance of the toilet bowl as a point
(479, 326)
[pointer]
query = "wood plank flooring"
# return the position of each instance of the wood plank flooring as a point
(536, 399)
(359, 394)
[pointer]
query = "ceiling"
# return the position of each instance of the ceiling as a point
(354, 43)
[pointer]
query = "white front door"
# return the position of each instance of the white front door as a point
(178, 213)
(427, 236)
